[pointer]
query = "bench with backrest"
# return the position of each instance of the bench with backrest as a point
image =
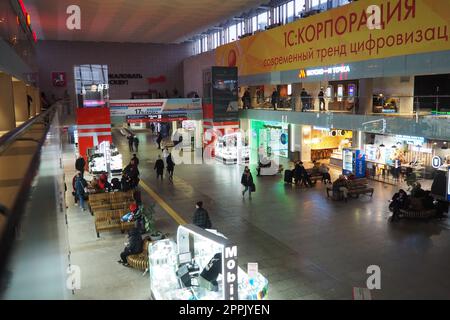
(107, 220)
(416, 210)
(356, 187)
(108, 208)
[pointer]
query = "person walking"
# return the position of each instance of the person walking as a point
(152, 127)
(201, 217)
(159, 167)
(170, 166)
(131, 175)
(247, 182)
(130, 142)
(165, 153)
(159, 139)
(321, 100)
(274, 99)
(136, 143)
(246, 99)
(79, 190)
(304, 99)
(80, 164)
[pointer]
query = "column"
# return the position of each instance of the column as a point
(254, 101)
(7, 117)
(20, 101)
(37, 99)
(296, 90)
(358, 140)
(365, 93)
(306, 144)
(31, 93)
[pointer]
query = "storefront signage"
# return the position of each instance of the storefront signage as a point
(230, 278)
(343, 35)
(421, 149)
(121, 78)
(436, 162)
(153, 110)
(410, 139)
(330, 70)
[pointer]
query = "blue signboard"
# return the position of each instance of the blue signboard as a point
(360, 164)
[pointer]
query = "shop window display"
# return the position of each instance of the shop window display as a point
(105, 158)
(201, 265)
(229, 147)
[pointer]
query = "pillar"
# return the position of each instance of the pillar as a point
(254, 99)
(306, 144)
(20, 101)
(7, 116)
(296, 90)
(37, 99)
(31, 93)
(365, 96)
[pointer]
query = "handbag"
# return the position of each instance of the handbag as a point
(252, 187)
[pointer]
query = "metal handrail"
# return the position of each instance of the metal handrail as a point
(14, 213)
(12, 135)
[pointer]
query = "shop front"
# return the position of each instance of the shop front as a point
(270, 138)
(391, 157)
(327, 145)
(201, 265)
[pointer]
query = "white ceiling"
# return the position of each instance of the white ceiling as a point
(150, 21)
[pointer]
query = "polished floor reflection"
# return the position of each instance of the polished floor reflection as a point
(309, 247)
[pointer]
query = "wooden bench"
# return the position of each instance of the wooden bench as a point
(417, 214)
(140, 260)
(355, 188)
(106, 220)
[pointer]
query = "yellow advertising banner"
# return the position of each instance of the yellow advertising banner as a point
(362, 30)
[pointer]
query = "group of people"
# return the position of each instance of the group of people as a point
(168, 163)
(417, 198)
(133, 143)
(301, 176)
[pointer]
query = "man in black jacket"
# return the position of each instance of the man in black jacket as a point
(201, 217)
(159, 167)
(131, 174)
(134, 245)
(136, 143)
(80, 163)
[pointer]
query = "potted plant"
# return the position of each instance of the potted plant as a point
(149, 222)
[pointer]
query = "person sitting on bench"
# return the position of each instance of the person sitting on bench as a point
(341, 185)
(324, 170)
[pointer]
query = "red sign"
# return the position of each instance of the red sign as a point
(59, 79)
(156, 80)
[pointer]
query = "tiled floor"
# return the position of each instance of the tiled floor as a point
(308, 246)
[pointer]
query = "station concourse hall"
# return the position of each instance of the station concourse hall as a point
(277, 150)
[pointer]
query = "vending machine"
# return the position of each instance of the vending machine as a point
(354, 162)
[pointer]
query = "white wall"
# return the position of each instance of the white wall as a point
(193, 71)
(394, 87)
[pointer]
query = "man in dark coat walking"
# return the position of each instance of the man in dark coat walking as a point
(201, 217)
(159, 167)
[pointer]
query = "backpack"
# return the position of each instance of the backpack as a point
(115, 184)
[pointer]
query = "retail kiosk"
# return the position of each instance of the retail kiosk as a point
(201, 265)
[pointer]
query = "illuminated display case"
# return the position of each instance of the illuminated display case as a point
(229, 146)
(105, 158)
(202, 265)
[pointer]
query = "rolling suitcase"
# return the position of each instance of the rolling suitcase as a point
(288, 176)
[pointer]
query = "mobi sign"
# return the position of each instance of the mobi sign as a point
(231, 273)
(362, 30)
